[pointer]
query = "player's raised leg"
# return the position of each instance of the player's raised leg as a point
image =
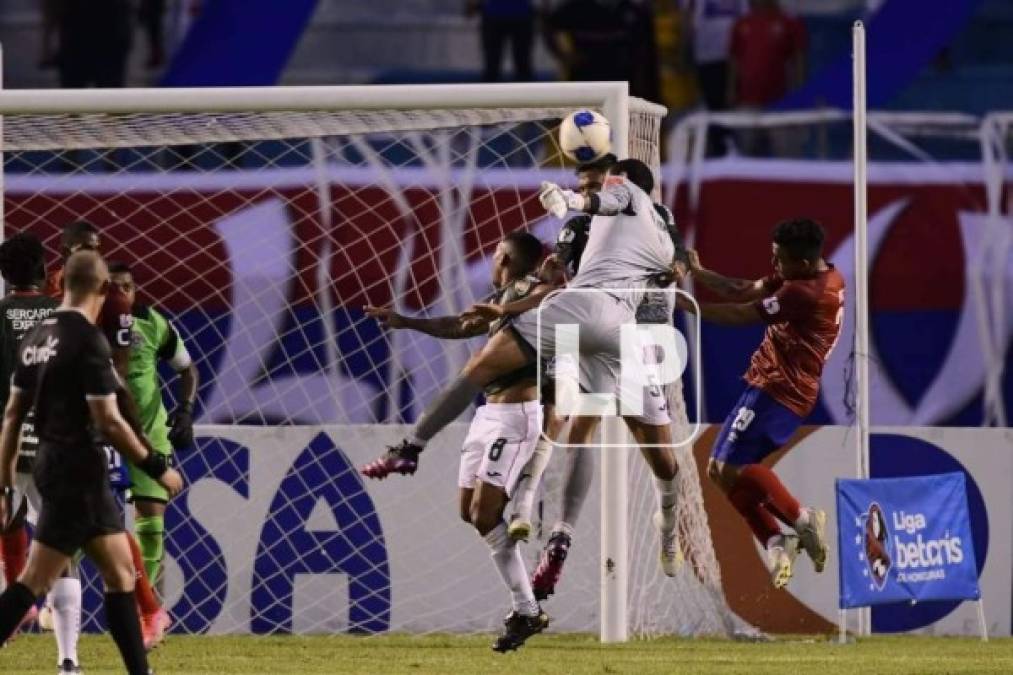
(578, 472)
(653, 434)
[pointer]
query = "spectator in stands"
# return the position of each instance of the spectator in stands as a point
(768, 60)
(711, 24)
(95, 37)
(606, 40)
(151, 14)
(505, 21)
(768, 54)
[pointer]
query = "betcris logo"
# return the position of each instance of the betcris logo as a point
(920, 559)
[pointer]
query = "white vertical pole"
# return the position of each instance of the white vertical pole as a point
(861, 270)
(982, 624)
(614, 479)
(842, 627)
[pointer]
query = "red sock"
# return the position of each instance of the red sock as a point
(763, 525)
(14, 545)
(776, 498)
(146, 599)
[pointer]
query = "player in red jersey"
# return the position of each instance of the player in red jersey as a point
(803, 304)
(115, 321)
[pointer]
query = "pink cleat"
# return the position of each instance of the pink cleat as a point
(550, 566)
(402, 459)
(154, 627)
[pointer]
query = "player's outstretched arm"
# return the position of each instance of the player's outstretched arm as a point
(741, 290)
(490, 312)
(106, 414)
(725, 314)
(444, 327)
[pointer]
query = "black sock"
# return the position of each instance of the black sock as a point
(14, 602)
(125, 627)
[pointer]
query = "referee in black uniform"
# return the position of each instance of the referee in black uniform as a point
(65, 371)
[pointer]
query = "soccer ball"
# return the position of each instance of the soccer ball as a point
(585, 136)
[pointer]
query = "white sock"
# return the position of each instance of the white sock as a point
(562, 527)
(65, 601)
(777, 541)
(507, 558)
(531, 477)
(668, 499)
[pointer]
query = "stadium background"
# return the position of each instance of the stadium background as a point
(957, 57)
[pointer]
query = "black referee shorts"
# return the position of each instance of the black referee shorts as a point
(69, 520)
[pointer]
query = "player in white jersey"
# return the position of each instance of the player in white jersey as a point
(627, 248)
(503, 433)
(651, 430)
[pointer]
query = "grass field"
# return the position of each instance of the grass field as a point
(544, 654)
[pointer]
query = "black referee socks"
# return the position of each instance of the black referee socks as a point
(14, 604)
(125, 627)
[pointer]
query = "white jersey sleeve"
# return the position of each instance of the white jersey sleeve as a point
(628, 249)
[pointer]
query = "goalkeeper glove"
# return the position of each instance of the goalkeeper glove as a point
(558, 201)
(181, 427)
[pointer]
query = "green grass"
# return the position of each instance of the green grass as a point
(544, 654)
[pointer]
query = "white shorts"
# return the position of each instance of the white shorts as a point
(655, 407)
(500, 442)
(600, 317)
(24, 489)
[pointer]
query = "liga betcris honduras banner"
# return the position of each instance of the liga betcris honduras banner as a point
(905, 539)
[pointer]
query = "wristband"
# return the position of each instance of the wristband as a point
(155, 464)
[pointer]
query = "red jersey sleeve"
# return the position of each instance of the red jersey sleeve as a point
(789, 303)
(771, 283)
(116, 319)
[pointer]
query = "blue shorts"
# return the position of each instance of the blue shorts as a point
(757, 426)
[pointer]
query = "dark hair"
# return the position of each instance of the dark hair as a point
(802, 238)
(603, 163)
(22, 260)
(636, 172)
(118, 267)
(76, 231)
(527, 248)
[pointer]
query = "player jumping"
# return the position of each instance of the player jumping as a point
(503, 433)
(626, 249)
(154, 340)
(651, 429)
(803, 303)
(65, 374)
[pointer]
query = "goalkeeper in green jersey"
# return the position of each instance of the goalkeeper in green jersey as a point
(153, 340)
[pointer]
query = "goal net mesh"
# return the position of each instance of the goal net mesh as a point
(262, 236)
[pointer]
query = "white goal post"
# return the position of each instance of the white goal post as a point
(154, 143)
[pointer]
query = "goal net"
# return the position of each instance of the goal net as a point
(262, 233)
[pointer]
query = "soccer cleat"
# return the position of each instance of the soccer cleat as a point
(813, 538)
(68, 666)
(781, 560)
(154, 627)
(519, 528)
(518, 629)
(671, 553)
(550, 565)
(402, 459)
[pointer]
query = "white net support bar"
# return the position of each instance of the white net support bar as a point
(261, 222)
